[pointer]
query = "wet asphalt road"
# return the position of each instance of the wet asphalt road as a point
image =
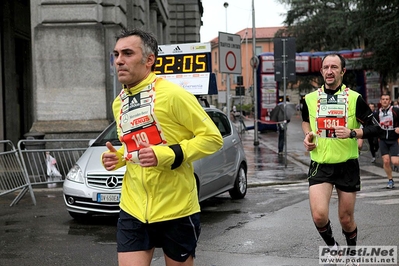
(262, 229)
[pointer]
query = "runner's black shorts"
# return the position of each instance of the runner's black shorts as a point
(344, 176)
(390, 147)
(178, 238)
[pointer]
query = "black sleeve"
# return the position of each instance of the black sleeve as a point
(366, 117)
(395, 111)
(178, 155)
(305, 112)
(363, 111)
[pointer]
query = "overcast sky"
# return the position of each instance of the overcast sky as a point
(239, 16)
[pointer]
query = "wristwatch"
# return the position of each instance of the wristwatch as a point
(352, 134)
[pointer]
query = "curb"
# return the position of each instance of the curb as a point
(274, 183)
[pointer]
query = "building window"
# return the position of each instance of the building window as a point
(258, 50)
(216, 57)
(235, 78)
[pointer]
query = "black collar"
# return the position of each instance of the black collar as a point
(332, 92)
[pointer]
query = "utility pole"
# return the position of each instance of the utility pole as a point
(284, 70)
(226, 5)
(254, 66)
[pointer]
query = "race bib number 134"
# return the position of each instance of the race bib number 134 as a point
(324, 123)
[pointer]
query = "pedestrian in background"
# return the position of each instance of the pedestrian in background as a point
(163, 129)
(332, 116)
(373, 141)
(234, 114)
(389, 133)
(281, 129)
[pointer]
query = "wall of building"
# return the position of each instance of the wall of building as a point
(185, 21)
(15, 69)
(72, 43)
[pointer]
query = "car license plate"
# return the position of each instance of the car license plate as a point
(108, 197)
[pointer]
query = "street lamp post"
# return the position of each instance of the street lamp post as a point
(227, 75)
(226, 5)
(254, 58)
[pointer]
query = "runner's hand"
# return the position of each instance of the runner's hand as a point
(147, 156)
(109, 158)
(308, 142)
(342, 132)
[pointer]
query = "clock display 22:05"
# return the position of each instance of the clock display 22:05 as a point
(181, 63)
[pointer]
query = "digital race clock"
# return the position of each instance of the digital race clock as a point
(183, 63)
(188, 65)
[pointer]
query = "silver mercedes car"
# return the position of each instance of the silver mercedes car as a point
(91, 190)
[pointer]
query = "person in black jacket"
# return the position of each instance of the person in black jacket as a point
(388, 119)
(373, 141)
(281, 127)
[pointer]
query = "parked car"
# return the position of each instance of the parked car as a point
(89, 189)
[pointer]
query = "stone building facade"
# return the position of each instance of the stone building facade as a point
(55, 61)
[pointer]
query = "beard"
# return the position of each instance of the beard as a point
(331, 82)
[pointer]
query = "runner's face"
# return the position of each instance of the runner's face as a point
(332, 72)
(372, 107)
(130, 64)
(385, 101)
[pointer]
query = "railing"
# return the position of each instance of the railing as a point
(37, 162)
(12, 174)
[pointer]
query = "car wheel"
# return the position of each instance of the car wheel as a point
(240, 184)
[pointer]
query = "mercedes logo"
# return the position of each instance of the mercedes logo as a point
(111, 181)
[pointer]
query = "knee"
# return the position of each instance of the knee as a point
(387, 163)
(346, 220)
(320, 219)
(395, 161)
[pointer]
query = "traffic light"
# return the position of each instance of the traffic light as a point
(239, 81)
(240, 90)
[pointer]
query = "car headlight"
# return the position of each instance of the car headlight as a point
(75, 174)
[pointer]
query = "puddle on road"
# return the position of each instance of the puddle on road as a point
(209, 216)
(211, 213)
(102, 228)
(7, 223)
(267, 166)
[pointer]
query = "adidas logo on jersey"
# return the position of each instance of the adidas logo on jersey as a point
(134, 102)
(332, 99)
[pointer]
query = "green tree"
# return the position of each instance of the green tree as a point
(379, 22)
(332, 25)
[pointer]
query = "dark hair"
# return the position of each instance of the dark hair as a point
(148, 40)
(339, 56)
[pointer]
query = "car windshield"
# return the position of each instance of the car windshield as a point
(109, 134)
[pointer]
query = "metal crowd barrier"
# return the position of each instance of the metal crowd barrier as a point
(13, 177)
(38, 162)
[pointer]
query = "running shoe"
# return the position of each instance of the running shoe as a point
(333, 259)
(391, 184)
(373, 160)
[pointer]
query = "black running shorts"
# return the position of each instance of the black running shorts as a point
(178, 238)
(345, 176)
(390, 147)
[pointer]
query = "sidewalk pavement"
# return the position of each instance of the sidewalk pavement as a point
(266, 167)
